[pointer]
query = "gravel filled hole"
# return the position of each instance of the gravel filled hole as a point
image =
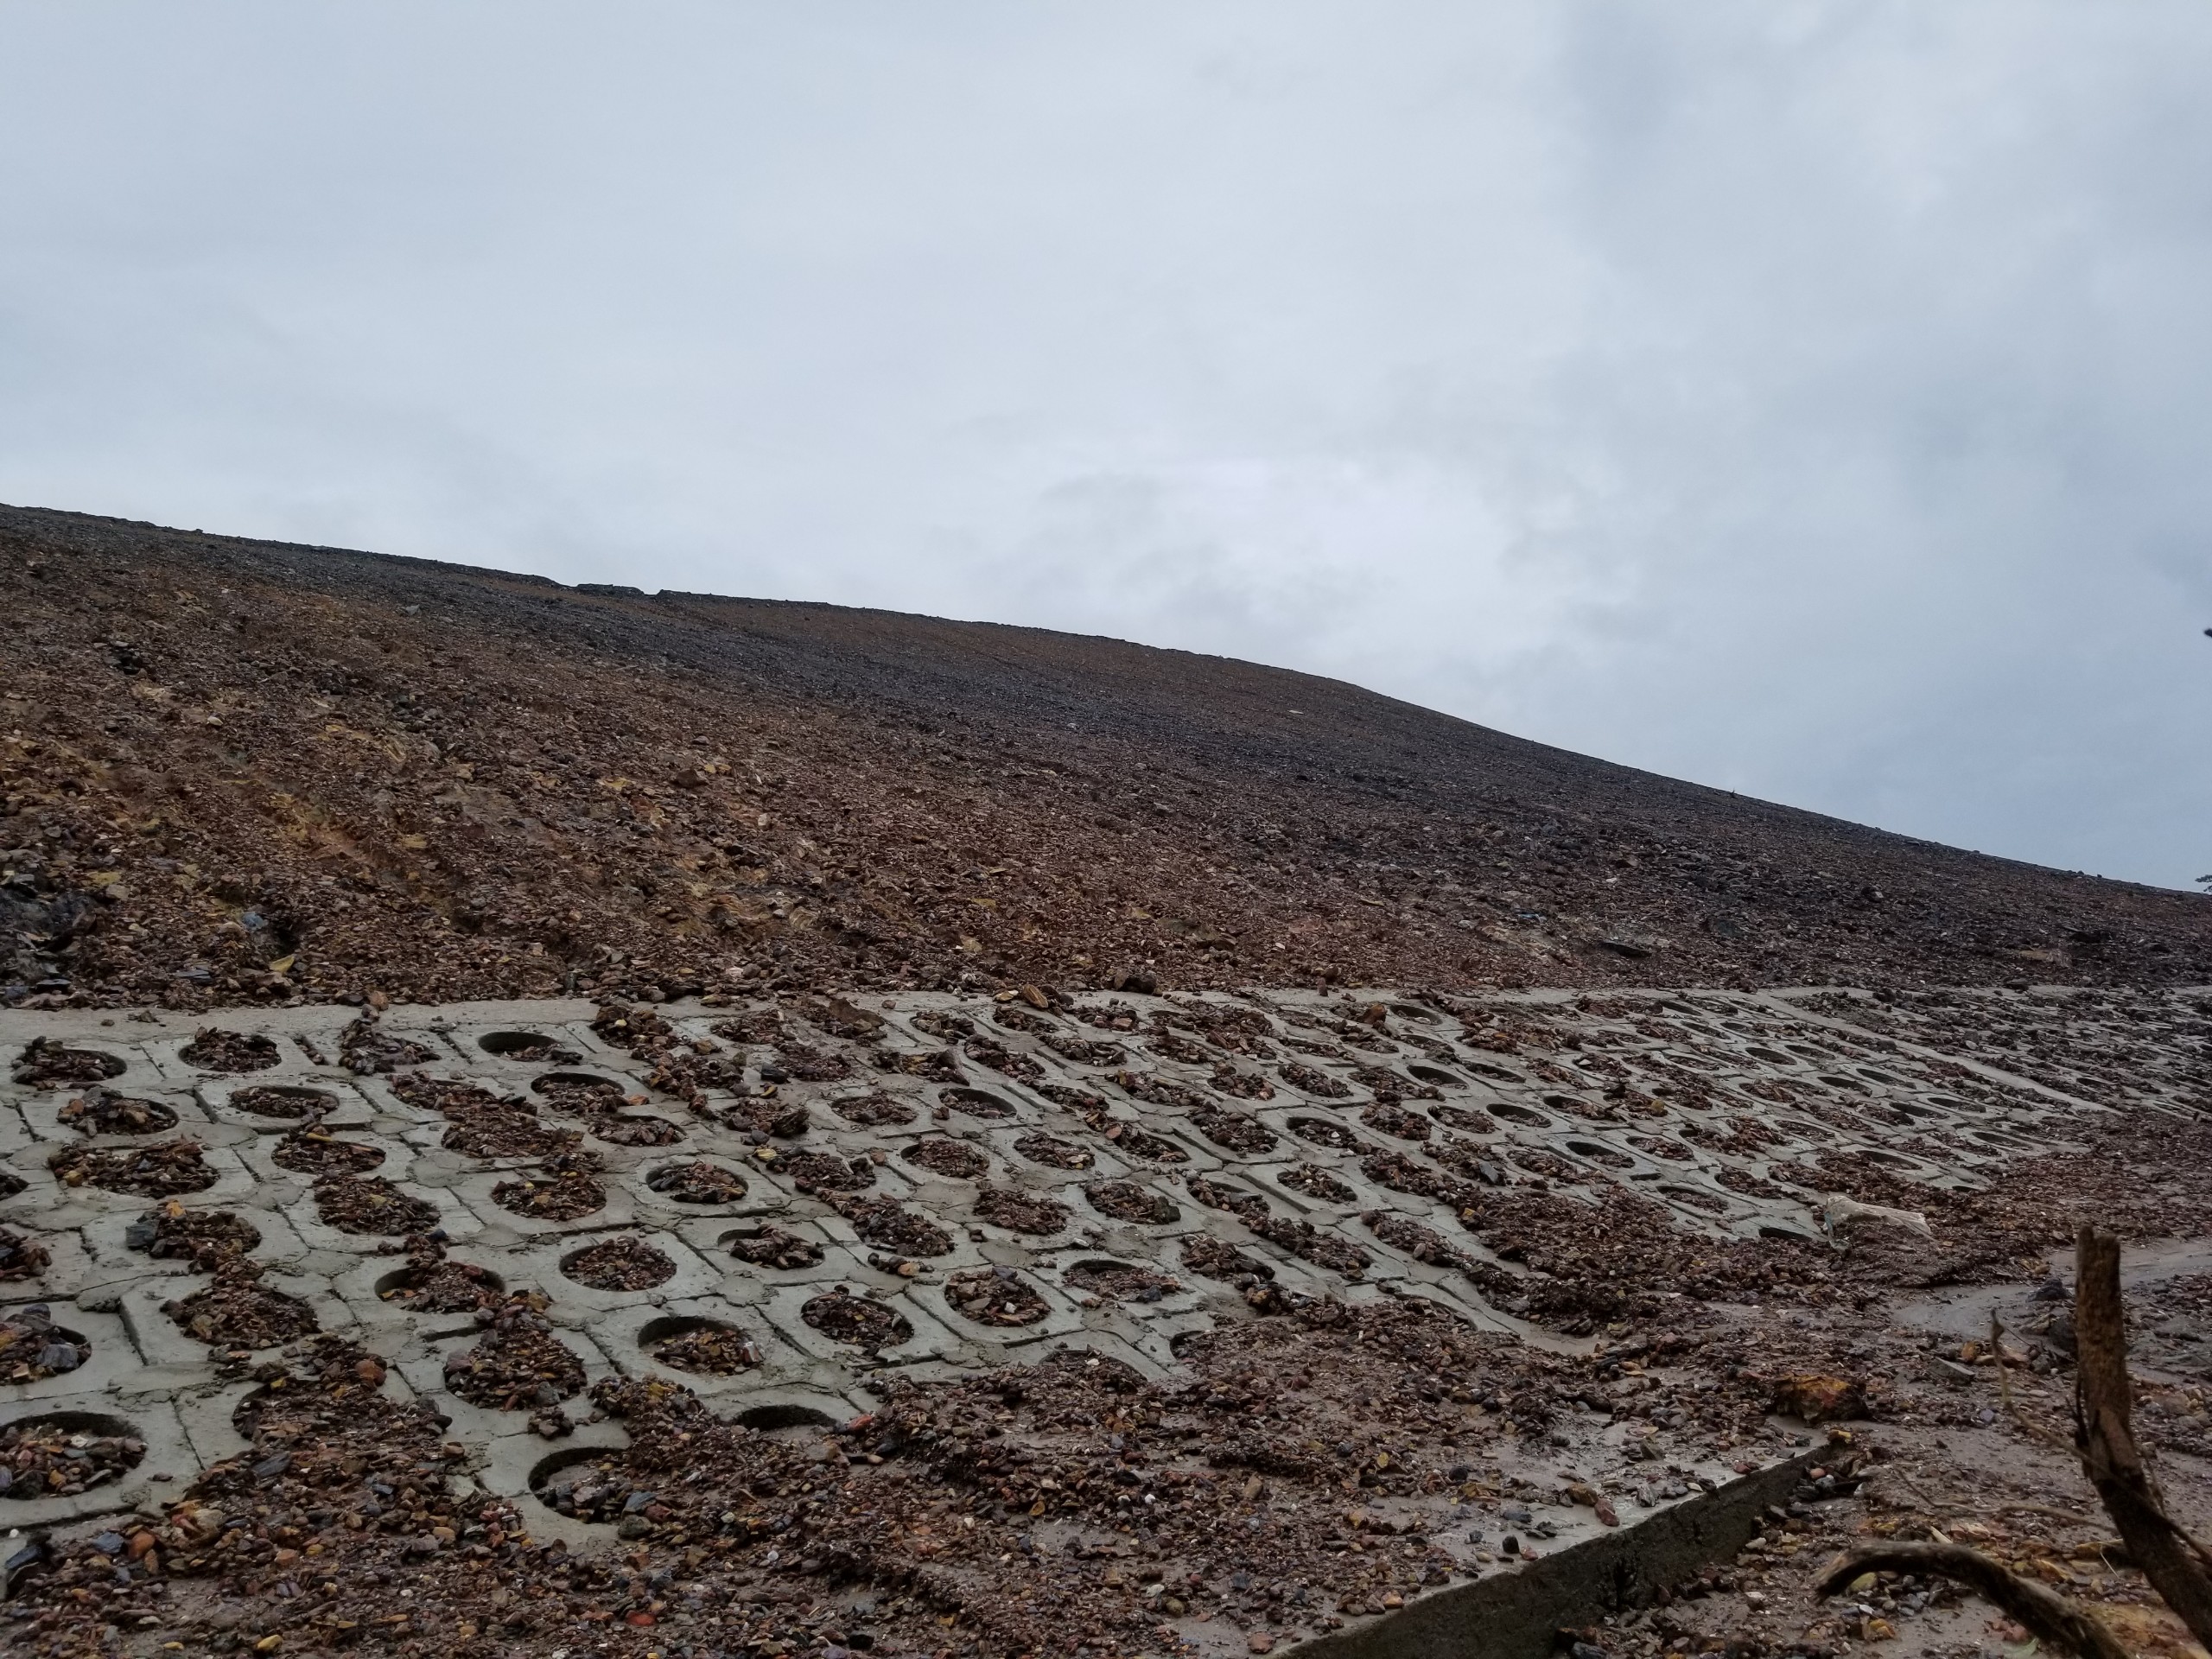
(707, 1346)
(32, 1346)
(997, 1296)
(98, 1112)
(213, 1049)
(617, 1264)
(697, 1183)
(842, 1317)
(65, 1453)
(154, 1171)
(274, 1100)
(45, 1064)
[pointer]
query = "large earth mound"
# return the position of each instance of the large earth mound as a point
(242, 770)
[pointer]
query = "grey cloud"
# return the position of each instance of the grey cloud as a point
(1808, 399)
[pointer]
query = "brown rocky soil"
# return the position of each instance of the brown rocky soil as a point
(236, 770)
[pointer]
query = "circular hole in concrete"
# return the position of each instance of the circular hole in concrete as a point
(45, 1064)
(1409, 1011)
(171, 1231)
(697, 1182)
(710, 1347)
(766, 1245)
(275, 1100)
(1127, 1201)
(953, 1159)
(856, 1321)
(1438, 1076)
(445, 1288)
(159, 1171)
(621, 1263)
(1327, 1132)
(213, 1049)
(33, 1347)
(1055, 1153)
(874, 1110)
(1711, 1203)
(529, 1047)
(1598, 1153)
(1768, 1056)
(98, 1112)
(1520, 1115)
(585, 1484)
(311, 1154)
(976, 1103)
(579, 1090)
(88, 1449)
(769, 1419)
(995, 1296)
(635, 1130)
(1119, 1281)
(239, 1313)
(1890, 1158)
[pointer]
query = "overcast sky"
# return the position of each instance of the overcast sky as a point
(1813, 400)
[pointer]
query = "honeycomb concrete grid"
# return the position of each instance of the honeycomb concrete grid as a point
(1192, 1102)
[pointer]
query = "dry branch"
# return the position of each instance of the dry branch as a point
(2105, 1436)
(2044, 1613)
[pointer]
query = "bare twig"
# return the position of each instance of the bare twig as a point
(2044, 1613)
(2105, 1437)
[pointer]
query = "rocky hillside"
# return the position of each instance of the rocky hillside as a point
(234, 770)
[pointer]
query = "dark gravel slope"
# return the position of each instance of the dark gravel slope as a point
(236, 769)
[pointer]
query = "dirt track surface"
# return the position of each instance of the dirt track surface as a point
(234, 770)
